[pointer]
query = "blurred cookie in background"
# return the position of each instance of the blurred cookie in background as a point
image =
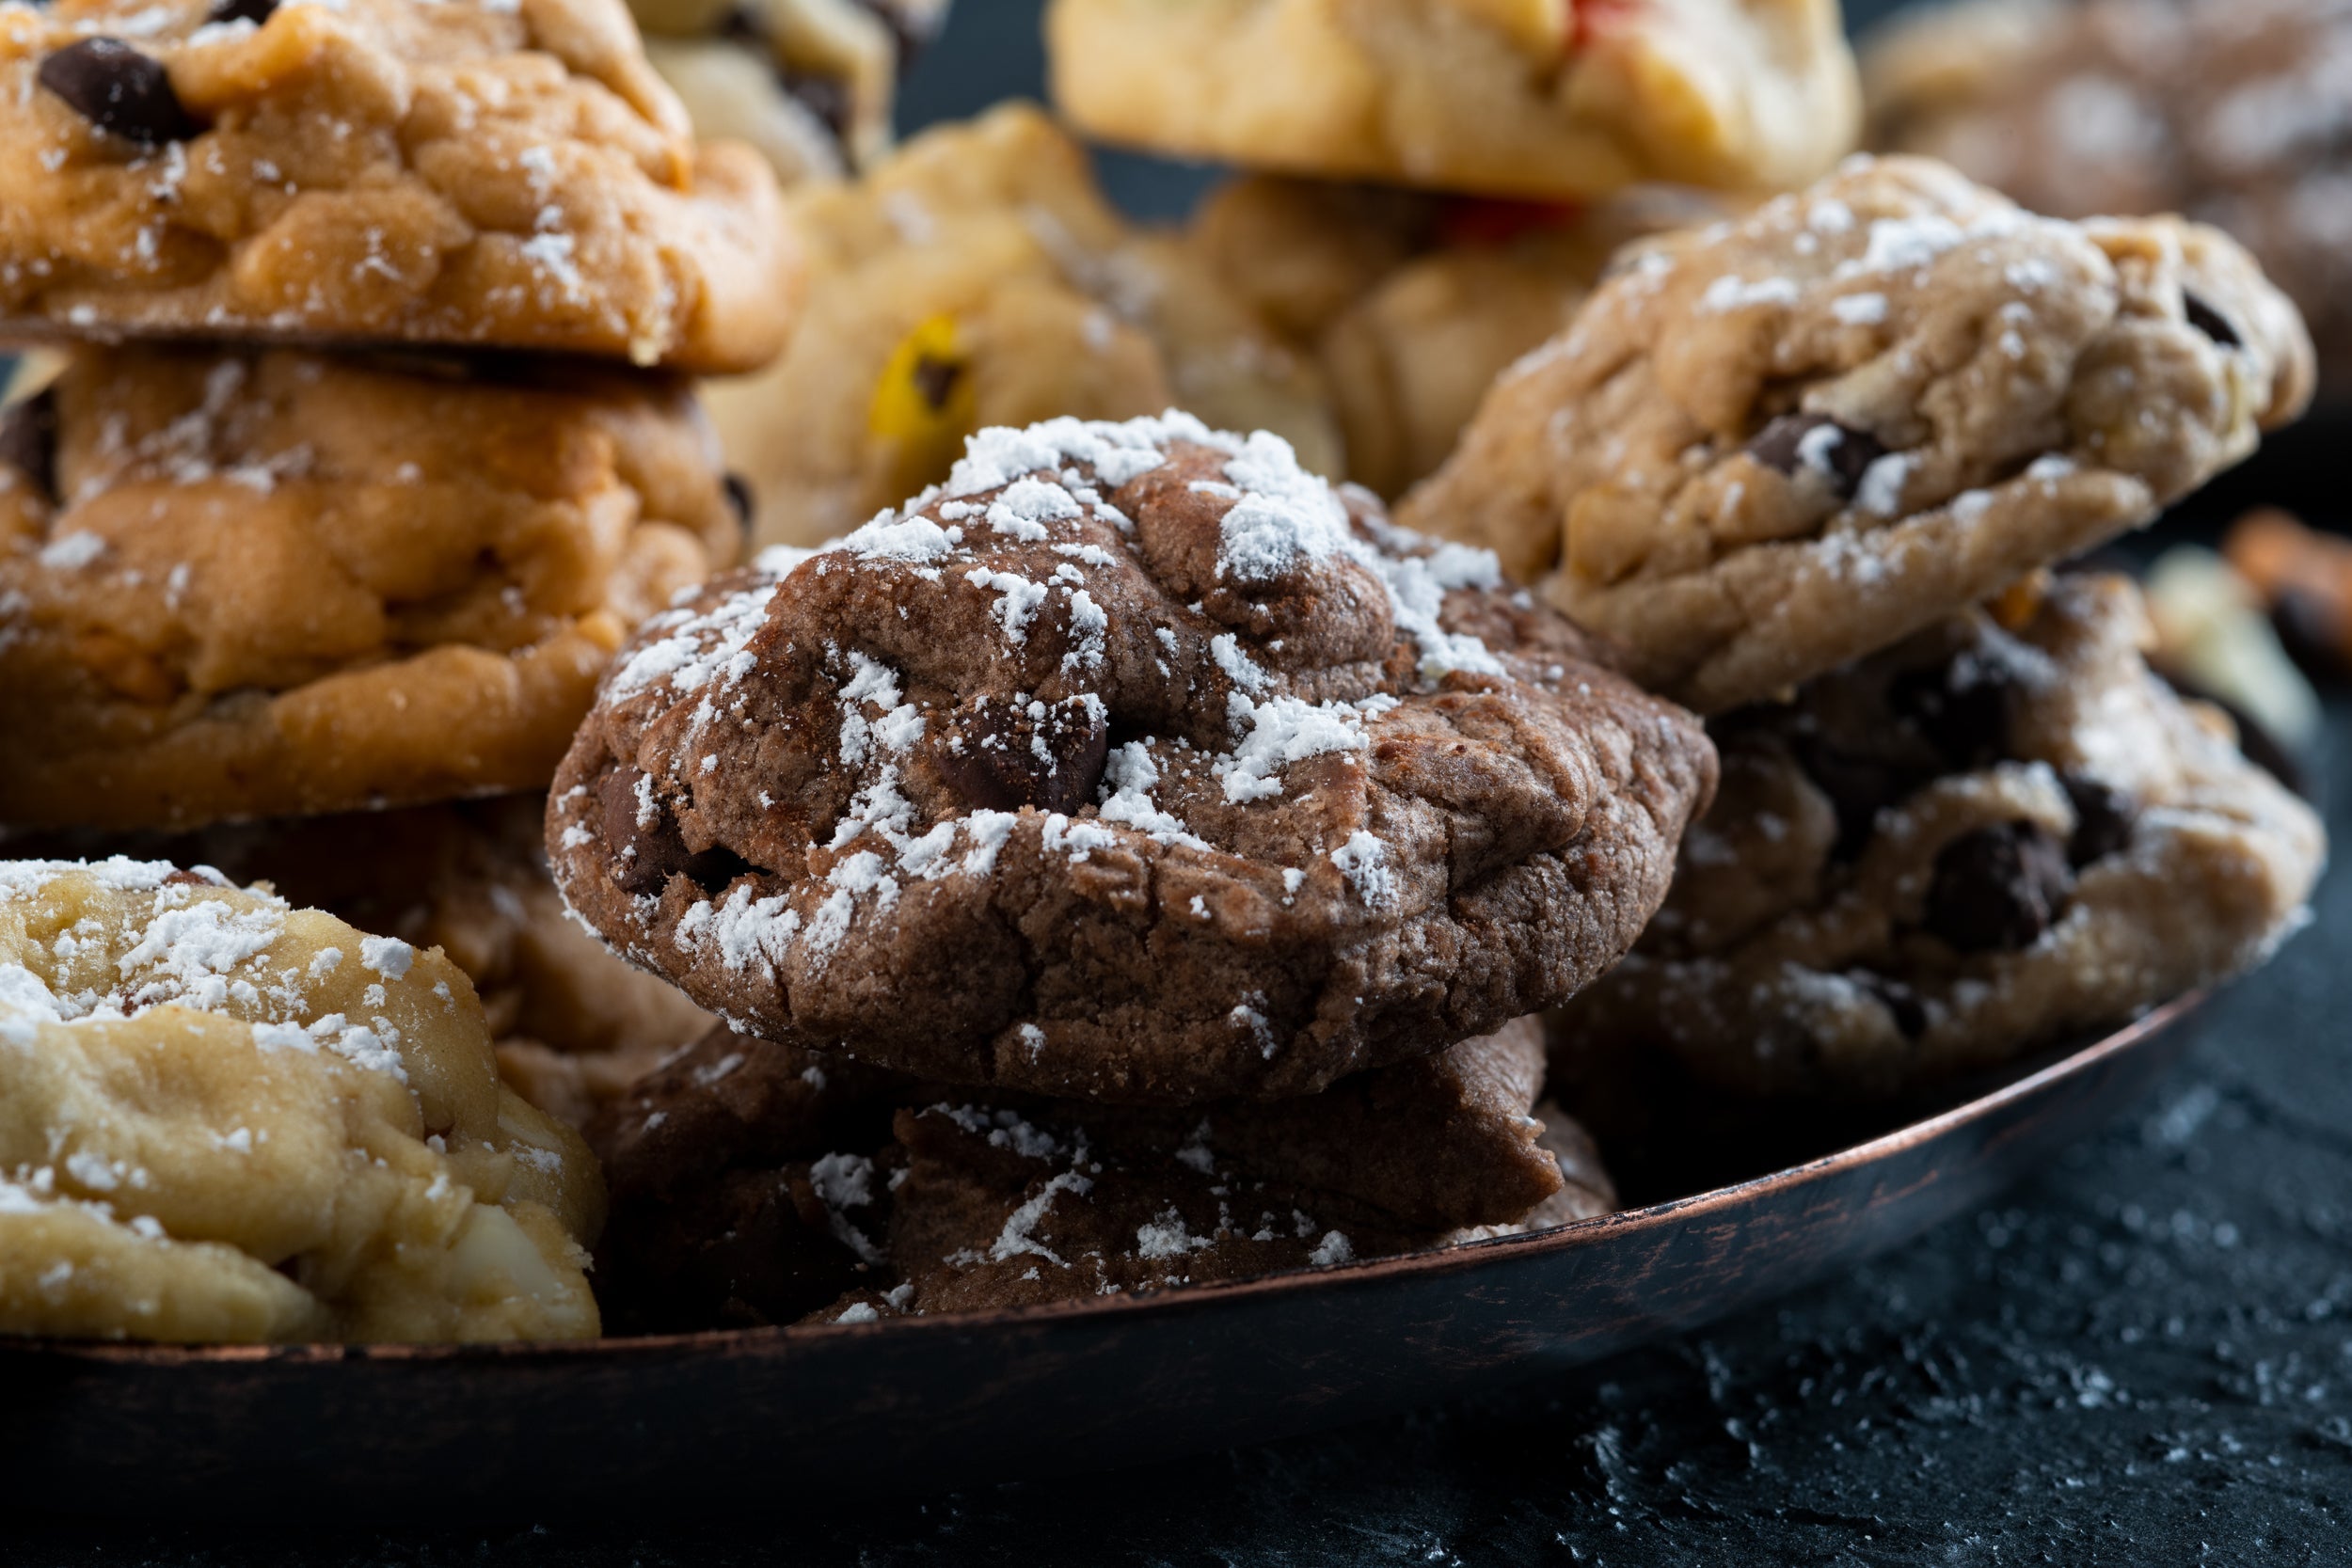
(2228, 112)
(812, 83)
(1533, 100)
(978, 278)
(1412, 303)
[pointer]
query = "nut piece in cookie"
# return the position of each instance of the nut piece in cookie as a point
(1979, 842)
(226, 1118)
(243, 583)
(1341, 798)
(1413, 303)
(1770, 447)
(2229, 113)
(978, 278)
(1500, 97)
(377, 171)
(574, 1026)
(758, 1182)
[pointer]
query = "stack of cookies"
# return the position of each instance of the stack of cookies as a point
(1804, 470)
(360, 440)
(1132, 862)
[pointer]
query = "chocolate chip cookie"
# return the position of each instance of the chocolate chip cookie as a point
(1998, 833)
(1503, 97)
(978, 278)
(1136, 763)
(246, 584)
(1769, 446)
(758, 1182)
(1411, 303)
(810, 83)
(2229, 111)
(506, 173)
(230, 1119)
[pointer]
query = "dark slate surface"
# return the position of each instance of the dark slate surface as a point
(2141, 1356)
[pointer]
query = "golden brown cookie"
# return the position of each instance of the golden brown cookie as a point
(980, 278)
(1502, 97)
(1771, 445)
(507, 173)
(222, 1118)
(1412, 303)
(1976, 843)
(244, 583)
(1135, 764)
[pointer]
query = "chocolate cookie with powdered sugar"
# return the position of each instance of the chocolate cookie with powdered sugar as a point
(1136, 763)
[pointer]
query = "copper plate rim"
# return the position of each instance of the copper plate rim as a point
(1468, 1255)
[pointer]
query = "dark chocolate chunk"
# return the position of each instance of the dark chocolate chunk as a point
(1962, 708)
(255, 11)
(643, 857)
(2102, 818)
(826, 97)
(1002, 755)
(1997, 889)
(29, 441)
(744, 501)
(1781, 445)
(2212, 322)
(1859, 787)
(118, 89)
(936, 380)
(1900, 1000)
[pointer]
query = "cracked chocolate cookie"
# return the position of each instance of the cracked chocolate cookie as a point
(1503, 97)
(1136, 763)
(1769, 446)
(978, 278)
(248, 583)
(508, 175)
(1998, 833)
(758, 1182)
(225, 1118)
(2230, 111)
(810, 83)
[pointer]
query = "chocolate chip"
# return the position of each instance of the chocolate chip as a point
(29, 441)
(826, 97)
(1900, 1000)
(1962, 709)
(1001, 755)
(1858, 788)
(936, 380)
(1997, 889)
(643, 858)
(2102, 818)
(118, 89)
(255, 11)
(1843, 460)
(2212, 322)
(742, 500)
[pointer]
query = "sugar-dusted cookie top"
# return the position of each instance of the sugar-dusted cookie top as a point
(506, 173)
(222, 1118)
(1768, 447)
(1133, 764)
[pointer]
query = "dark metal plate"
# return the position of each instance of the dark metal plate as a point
(929, 1404)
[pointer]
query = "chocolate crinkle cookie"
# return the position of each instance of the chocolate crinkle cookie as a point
(760, 1182)
(2000, 832)
(1136, 763)
(1768, 447)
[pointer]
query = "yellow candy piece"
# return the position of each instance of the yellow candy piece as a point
(923, 406)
